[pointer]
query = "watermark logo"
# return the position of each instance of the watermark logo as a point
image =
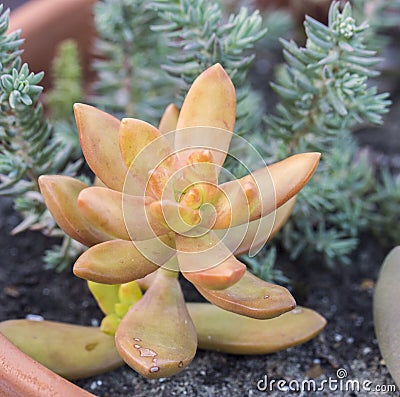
(341, 383)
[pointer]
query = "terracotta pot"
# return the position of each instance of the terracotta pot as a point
(318, 9)
(21, 376)
(46, 23)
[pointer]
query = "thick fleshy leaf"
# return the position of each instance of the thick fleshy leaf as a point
(206, 262)
(98, 133)
(289, 176)
(211, 105)
(174, 216)
(145, 282)
(129, 293)
(72, 351)
(157, 337)
(387, 312)
(264, 190)
(134, 136)
(106, 295)
(143, 149)
(102, 207)
(252, 297)
(97, 182)
(228, 332)
(120, 215)
(254, 235)
(60, 194)
(169, 119)
(120, 261)
(219, 277)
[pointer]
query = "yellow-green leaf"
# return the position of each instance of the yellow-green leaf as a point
(72, 351)
(231, 333)
(157, 337)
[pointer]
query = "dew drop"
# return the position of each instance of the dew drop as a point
(137, 339)
(266, 296)
(136, 346)
(180, 365)
(145, 352)
(154, 369)
(297, 311)
(34, 317)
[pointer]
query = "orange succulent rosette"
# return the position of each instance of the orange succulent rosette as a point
(159, 209)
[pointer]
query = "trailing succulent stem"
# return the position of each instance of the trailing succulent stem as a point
(323, 94)
(128, 78)
(29, 146)
(67, 82)
(199, 35)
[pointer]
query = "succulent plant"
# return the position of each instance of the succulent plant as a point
(387, 313)
(159, 208)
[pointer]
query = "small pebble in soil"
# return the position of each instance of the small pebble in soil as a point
(95, 384)
(34, 317)
(338, 337)
(46, 291)
(367, 284)
(366, 350)
(12, 291)
(358, 321)
(94, 322)
(85, 304)
(350, 340)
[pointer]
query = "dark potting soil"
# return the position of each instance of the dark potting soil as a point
(343, 296)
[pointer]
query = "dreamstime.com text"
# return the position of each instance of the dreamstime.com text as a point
(341, 383)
